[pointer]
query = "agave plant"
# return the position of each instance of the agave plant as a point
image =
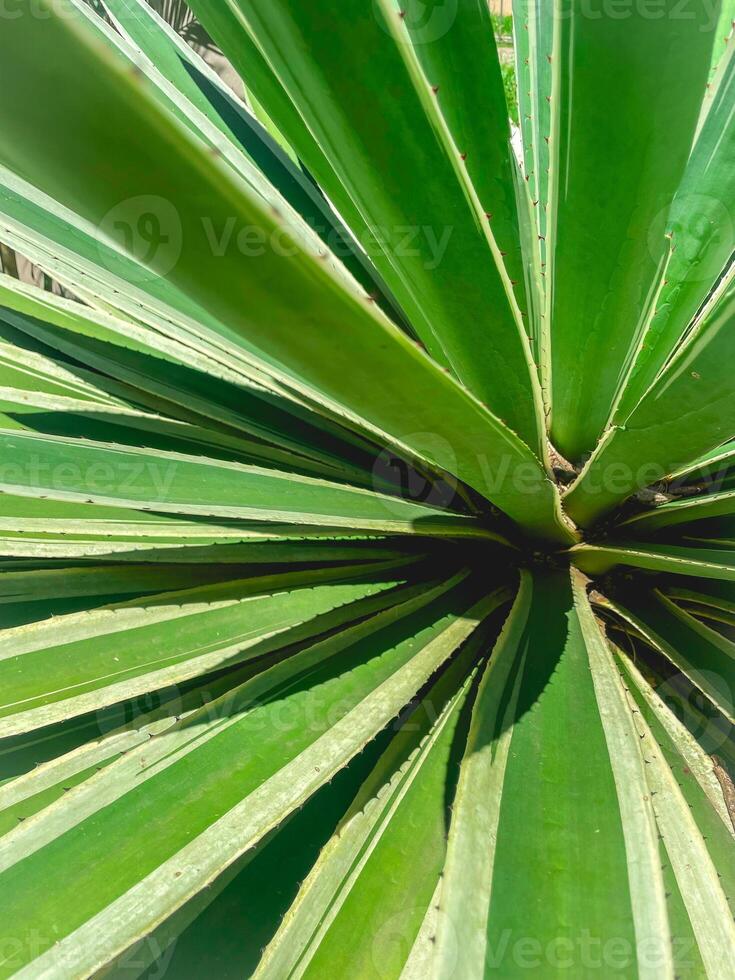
(367, 526)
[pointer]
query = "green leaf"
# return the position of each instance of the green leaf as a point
(48, 583)
(693, 831)
(723, 34)
(45, 528)
(618, 152)
(115, 730)
(718, 595)
(66, 666)
(688, 411)
(229, 935)
(98, 473)
(417, 201)
(718, 460)
(462, 65)
(701, 653)
(701, 226)
(709, 563)
(234, 771)
(533, 29)
(295, 322)
(202, 88)
(691, 765)
(682, 512)
(550, 802)
(389, 845)
(172, 379)
(275, 460)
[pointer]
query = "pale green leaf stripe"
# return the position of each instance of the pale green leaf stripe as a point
(52, 520)
(719, 460)
(49, 583)
(295, 324)
(227, 812)
(522, 14)
(683, 753)
(479, 143)
(723, 36)
(682, 512)
(461, 939)
(703, 562)
(543, 28)
(692, 769)
(532, 269)
(420, 959)
(66, 469)
(513, 840)
(696, 875)
(26, 795)
(389, 844)
(705, 656)
(647, 897)
(717, 595)
(66, 666)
